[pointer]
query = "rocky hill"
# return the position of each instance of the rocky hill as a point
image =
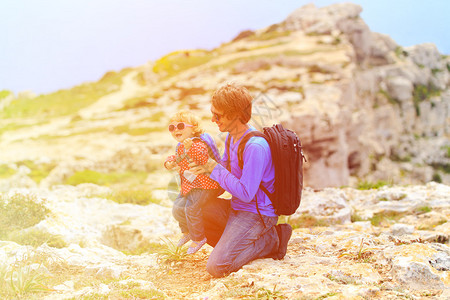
(86, 204)
(365, 108)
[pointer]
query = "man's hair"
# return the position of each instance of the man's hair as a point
(235, 101)
(189, 118)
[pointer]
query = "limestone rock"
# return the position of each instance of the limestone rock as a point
(426, 55)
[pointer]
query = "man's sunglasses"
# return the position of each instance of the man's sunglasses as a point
(179, 126)
(217, 116)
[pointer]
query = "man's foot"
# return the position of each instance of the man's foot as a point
(186, 238)
(284, 232)
(195, 246)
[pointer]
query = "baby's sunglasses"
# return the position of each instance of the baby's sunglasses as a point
(179, 126)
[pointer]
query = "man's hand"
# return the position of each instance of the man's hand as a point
(202, 169)
(187, 144)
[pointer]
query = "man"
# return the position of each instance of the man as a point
(247, 233)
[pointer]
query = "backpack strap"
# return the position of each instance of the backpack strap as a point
(243, 143)
(227, 151)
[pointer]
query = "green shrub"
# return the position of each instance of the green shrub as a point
(437, 178)
(19, 212)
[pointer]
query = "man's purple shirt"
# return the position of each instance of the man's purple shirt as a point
(243, 184)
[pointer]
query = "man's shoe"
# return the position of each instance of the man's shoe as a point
(284, 232)
(192, 250)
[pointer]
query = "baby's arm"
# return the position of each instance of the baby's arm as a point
(198, 152)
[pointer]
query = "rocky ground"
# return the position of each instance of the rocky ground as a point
(387, 243)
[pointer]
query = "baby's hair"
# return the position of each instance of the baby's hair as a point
(189, 118)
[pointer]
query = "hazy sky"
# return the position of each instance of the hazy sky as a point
(46, 45)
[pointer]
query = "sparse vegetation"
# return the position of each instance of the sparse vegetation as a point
(35, 237)
(388, 97)
(6, 171)
(178, 61)
(4, 94)
(37, 171)
(16, 126)
(169, 252)
(422, 93)
(400, 52)
(140, 293)
(269, 35)
(64, 102)
(138, 102)
(19, 212)
(307, 221)
(437, 177)
(362, 254)
(21, 281)
(244, 290)
(142, 196)
(135, 130)
(447, 151)
(356, 218)
(385, 218)
(366, 185)
(107, 179)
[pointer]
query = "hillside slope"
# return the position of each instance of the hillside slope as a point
(366, 108)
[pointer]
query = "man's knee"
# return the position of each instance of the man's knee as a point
(216, 269)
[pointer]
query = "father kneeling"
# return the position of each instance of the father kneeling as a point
(241, 230)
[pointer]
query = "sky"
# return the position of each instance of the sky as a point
(47, 45)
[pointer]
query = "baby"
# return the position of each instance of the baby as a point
(195, 190)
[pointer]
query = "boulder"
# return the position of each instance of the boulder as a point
(426, 55)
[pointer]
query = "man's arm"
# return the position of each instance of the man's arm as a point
(255, 158)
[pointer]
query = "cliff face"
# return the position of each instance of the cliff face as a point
(392, 105)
